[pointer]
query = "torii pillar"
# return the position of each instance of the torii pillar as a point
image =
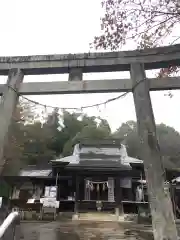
(7, 106)
(163, 221)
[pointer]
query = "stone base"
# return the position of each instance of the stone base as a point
(97, 217)
(120, 218)
(119, 215)
(144, 215)
(75, 217)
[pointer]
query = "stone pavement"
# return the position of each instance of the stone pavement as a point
(85, 230)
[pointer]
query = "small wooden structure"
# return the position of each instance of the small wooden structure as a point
(102, 174)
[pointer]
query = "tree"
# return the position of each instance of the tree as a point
(71, 125)
(169, 141)
(145, 22)
(85, 127)
(36, 140)
(128, 132)
(14, 146)
(52, 125)
(29, 141)
(32, 142)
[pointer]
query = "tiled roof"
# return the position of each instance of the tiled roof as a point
(101, 150)
(71, 159)
(35, 173)
(102, 164)
(103, 155)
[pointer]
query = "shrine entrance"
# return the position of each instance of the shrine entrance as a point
(98, 190)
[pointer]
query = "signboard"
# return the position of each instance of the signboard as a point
(50, 202)
(50, 192)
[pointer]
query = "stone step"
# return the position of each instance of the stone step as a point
(97, 217)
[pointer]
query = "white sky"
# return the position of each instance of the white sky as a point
(55, 27)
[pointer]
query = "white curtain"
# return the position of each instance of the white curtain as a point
(37, 192)
(15, 194)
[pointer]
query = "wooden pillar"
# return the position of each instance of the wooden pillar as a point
(38, 189)
(163, 222)
(110, 189)
(58, 191)
(76, 204)
(7, 107)
(173, 198)
(118, 198)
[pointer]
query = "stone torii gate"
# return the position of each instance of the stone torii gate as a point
(76, 64)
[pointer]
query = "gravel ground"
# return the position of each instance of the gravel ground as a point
(86, 230)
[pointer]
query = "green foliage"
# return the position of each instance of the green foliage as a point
(5, 189)
(31, 142)
(169, 140)
(86, 128)
(36, 140)
(128, 133)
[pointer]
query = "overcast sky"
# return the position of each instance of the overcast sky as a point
(55, 27)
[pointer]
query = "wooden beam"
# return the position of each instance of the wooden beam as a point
(92, 86)
(118, 198)
(163, 222)
(7, 107)
(76, 204)
(92, 62)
